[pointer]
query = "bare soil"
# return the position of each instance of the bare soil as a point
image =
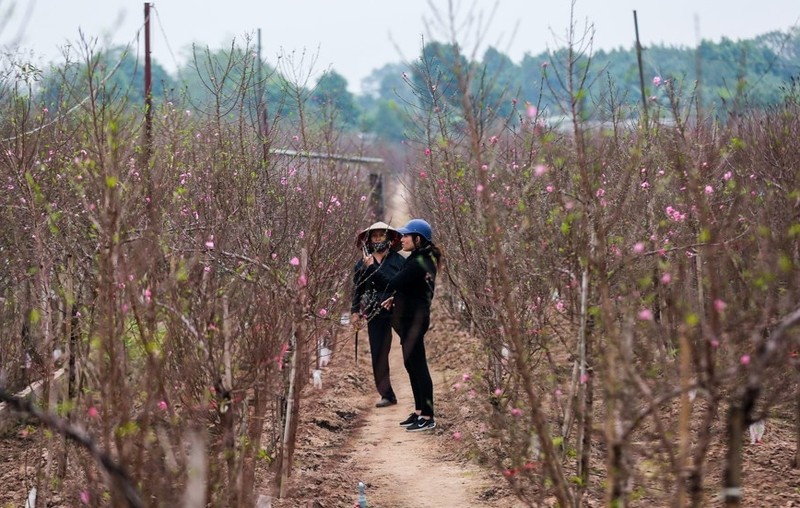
(399, 468)
(343, 440)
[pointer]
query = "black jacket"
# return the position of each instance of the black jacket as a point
(413, 285)
(369, 292)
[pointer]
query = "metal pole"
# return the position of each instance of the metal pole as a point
(148, 87)
(641, 71)
(260, 106)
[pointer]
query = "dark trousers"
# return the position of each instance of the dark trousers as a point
(412, 340)
(379, 330)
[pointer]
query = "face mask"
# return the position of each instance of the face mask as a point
(379, 246)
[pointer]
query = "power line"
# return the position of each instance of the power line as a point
(169, 47)
(68, 112)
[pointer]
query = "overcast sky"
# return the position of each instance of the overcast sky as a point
(354, 37)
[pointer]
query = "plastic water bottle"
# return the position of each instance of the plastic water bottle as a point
(362, 495)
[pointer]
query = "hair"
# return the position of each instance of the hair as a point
(438, 255)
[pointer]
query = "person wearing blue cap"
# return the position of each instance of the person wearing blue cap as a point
(414, 286)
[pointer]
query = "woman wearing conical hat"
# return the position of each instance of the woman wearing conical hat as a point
(382, 242)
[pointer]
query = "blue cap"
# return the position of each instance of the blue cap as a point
(419, 227)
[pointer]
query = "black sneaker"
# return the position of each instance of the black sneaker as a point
(422, 424)
(411, 419)
(384, 402)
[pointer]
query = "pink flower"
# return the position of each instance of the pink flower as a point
(727, 176)
(666, 278)
(323, 312)
(646, 315)
(584, 378)
(516, 411)
(302, 281)
(479, 188)
(745, 360)
(294, 261)
(209, 244)
(709, 189)
(466, 376)
(457, 436)
(457, 386)
(600, 193)
(423, 174)
(531, 110)
(719, 305)
(657, 81)
(162, 405)
(638, 247)
(84, 496)
(427, 151)
(93, 412)
(539, 170)
(498, 391)
(549, 188)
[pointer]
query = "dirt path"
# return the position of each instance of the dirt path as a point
(405, 468)
(396, 207)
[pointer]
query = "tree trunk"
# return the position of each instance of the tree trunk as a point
(291, 412)
(732, 488)
(684, 420)
(796, 462)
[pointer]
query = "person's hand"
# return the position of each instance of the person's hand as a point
(355, 320)
(387, 304)
(368, 260)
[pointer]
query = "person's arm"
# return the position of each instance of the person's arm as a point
(411, 273)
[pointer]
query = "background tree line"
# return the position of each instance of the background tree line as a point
(733, 76)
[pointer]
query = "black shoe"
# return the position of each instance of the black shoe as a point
(410, 420)
(422, 424)
(384, 402)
